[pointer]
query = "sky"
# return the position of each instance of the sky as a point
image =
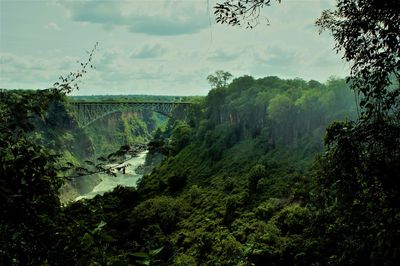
(159, 47)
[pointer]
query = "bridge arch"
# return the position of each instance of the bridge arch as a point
(88, 112)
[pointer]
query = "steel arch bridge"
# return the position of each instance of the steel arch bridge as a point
(87, 112)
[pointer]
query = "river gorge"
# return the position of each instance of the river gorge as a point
(128, 179)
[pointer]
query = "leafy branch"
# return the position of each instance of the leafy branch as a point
(236, 12)
(368, 34)
(69, 83)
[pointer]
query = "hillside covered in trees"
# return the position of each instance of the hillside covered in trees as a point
(263, 171)
(238, 186)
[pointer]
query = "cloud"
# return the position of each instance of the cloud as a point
(163, 58)
(166, 26)
(52, 26)
(33, 72)
(102, 12)
(166, 17)
(221, 55)
(107, 57)
(274, 56)
(272, 60)
(12, 62)
(149, 51)
(326, 4)
(281, 56)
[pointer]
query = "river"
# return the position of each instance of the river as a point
(128, 179)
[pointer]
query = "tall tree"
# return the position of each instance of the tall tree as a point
(368, 32)
(219, 79)
(30, 175)
(358, 175)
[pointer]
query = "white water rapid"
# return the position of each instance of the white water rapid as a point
(128, 179)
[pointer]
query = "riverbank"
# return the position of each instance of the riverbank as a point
(128, 179)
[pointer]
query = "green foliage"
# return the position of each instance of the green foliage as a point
(368, 34)
(280, 106)
(256, 173)
(233, 188)
(287, 110)
(220, 79)
(355, 211)
(144, 258)
(30, 174)
(292, 219)
(111, 132)
(183, 260)
(93, 243)
(233, 152)
(163, 211)
(181, 135)
(359, 178)
(268, 208)
(28, 181)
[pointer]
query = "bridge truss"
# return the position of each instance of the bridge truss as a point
(89, 112)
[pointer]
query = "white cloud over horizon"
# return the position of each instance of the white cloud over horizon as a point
(52, 26)
(162, 17)
(165, 47)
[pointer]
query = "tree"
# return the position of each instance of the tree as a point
(180, 137)
(30, 175)
(368, 32)
(283, 114)
(29, 182)
(219, 79)
(357, 215)
(359, 174)
(256, 173)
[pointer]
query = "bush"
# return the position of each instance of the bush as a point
(256, 173)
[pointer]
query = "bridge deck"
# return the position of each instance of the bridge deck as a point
(127, 102)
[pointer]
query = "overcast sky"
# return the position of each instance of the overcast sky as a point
(163, 47)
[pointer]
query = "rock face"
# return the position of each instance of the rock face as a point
(111, 132)
(61, 133)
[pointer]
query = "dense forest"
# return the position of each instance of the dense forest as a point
(239, 185)
(263, 171)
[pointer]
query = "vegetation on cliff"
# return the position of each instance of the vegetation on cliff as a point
(239, 185)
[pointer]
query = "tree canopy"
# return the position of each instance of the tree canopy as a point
(368, 33)
(219, 79)
(235, 187)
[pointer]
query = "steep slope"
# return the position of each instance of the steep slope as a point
(234, 186)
